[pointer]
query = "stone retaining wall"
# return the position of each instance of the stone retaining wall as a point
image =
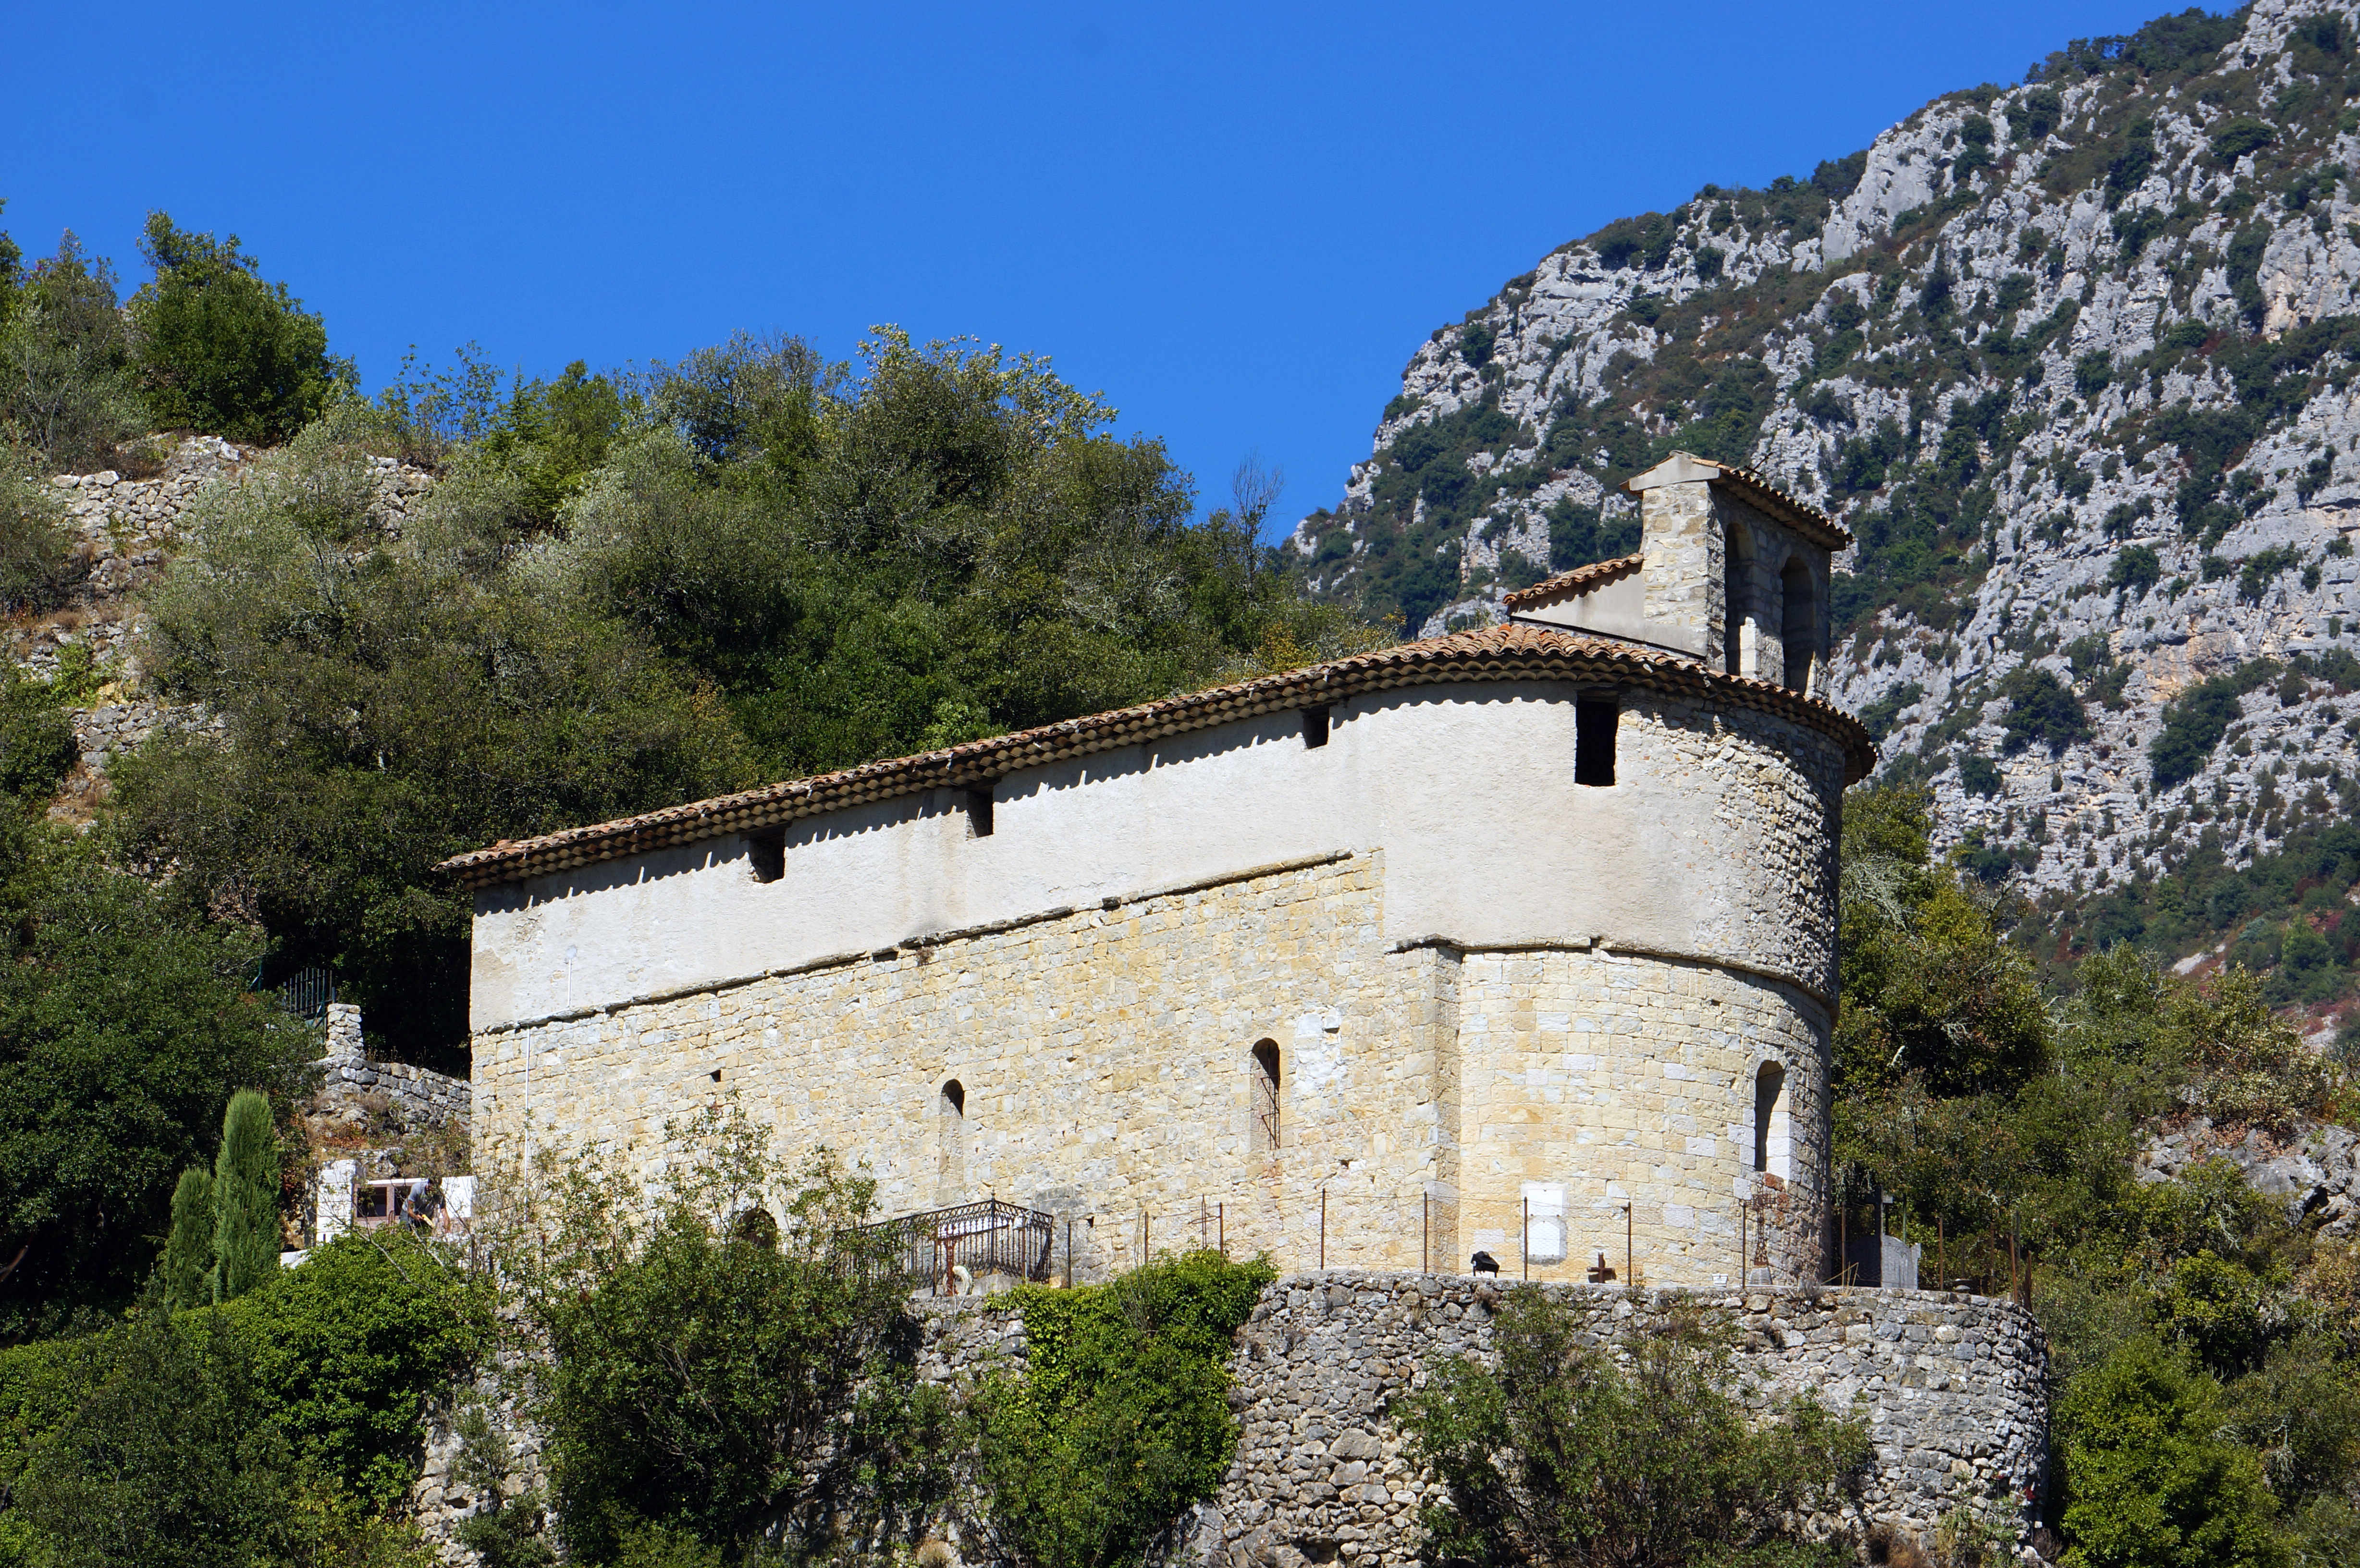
(413, 1097)
(1953, 1389)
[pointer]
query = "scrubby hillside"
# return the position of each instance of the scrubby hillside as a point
(2074, 358)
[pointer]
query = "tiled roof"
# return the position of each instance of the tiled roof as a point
(1797, 514)
(1567, 584)
(1509, 652)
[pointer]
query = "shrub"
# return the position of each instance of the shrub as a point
(1123, 1419)
(168, 1461)
(2149, 1483)
(37, 740)
(1557, 1456)
(188, 1275)
(2194, 721)
(155, 1443)
(219, 349)
(2092, 373)
(2135, 571)
(2042, 710)
(1978, 775)
(708, 1380)
(66, 387)
(2242, 133)
(36, 561)
(347, 1350)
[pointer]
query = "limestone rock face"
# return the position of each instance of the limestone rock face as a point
(2075, 360)
(2313, 1168)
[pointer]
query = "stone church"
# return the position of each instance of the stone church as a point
(1518, 941)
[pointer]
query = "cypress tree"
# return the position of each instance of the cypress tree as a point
(246, 1196)
(189, 1253)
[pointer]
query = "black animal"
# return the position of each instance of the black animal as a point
(1485, 1263)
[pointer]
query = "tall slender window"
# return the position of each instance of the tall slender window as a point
(1737, 602)
(1594, 719)
(950, 1143)
(1800, 631)
(1770, 1134)
(1265, 1095)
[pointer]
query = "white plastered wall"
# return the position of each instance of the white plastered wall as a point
(1467, 789)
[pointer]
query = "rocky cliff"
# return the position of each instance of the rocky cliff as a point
(2074, 358)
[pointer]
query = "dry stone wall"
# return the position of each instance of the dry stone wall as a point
(397, 1093)
(1953, 1387)
(125, 532)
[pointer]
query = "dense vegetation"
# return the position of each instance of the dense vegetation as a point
(1556, 1457)
(2210, 1407)
(1121, 1418)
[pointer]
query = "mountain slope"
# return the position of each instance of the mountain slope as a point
(2074, 359)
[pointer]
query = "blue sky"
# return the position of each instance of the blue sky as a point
(1236, 221)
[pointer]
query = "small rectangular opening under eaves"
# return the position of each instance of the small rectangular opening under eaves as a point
(1594, 722)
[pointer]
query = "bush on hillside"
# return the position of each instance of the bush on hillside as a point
(2149, 1482)
(1559, 1457)
(387, 702)
(123, 1028)
(66, 386)
(37, 558)
(2041, 711)
(284, 1430)
(1122, 1419)
(729, 1359)
(219, 349)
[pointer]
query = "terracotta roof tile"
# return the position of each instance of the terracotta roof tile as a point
(1567, 584)
(1795, 512)
(1510, 652)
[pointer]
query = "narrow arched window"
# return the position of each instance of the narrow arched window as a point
(950, 1142)
(1770, 1146)
(1800, 631)
(1737, 602)
(1265, 1095)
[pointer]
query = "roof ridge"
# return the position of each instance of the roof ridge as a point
(1509, 652)
(1556, 587)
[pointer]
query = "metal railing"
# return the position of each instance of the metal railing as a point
(928, 1249)
(307, 992)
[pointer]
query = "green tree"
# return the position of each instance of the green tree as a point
(1931, 987)
(189, 1270)
(66, 386)
(1122, 1419)
(169, 1462)
(219, 349)
(2149, 1481)
(1557, 1456)
(347, 1350)
(942, 542)
(125, 1026)
(710, 1379)
(388, 701)
(245, 1197)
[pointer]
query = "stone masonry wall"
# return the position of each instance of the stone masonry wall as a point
(415, 1097)
(1953, 1389)
(1105, 1058)
(1590, 1080)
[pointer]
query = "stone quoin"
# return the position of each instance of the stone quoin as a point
(1520, 939)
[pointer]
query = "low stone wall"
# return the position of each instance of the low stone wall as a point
(412, 1097)
(1953, 1389)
